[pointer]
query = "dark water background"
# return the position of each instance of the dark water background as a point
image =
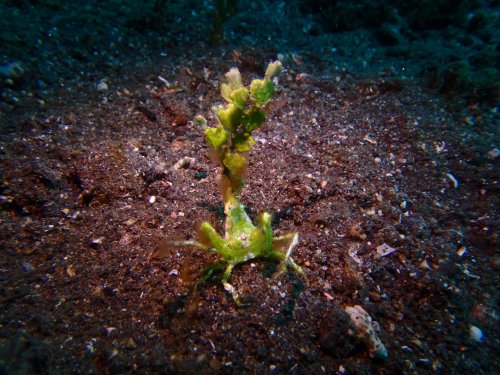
(452, 46)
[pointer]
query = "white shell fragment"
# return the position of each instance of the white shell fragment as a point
(363, 323)
(369, 140)
(185, 162)
(453, 180)
(425, 265)
(476, 334)
(384, 250)
(102, 86)
(353, 253)
(174, 272)
(461, 251)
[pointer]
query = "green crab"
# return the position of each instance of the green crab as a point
(243, 241)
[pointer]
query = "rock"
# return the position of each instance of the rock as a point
(12, 71)
(201, 175)
(363, 323)
(185, 162)
(337, 334)
(383, 250)
(425, 265)
(356, 231)
(493, 154)
(102, 86)
(476, 334)
(97, 242)
(70, 271)
(27, 267)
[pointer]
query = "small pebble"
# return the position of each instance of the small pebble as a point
(130, 222)
(97, 242)
(114, 353)
(12, 71)
(130, 343)
(185, 162)
(493, 154)
(476, 334)
(425, 265)
(201, 175)
(461, 251)
(70, 271)
(27, 267)
(383, 250)
(102, 86)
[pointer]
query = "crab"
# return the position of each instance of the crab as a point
(243, 241)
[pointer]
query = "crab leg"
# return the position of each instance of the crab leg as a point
(192, 243)
(216, 240)
(229, 288)
(290, 241)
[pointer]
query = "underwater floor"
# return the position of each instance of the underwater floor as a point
(380, 149)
